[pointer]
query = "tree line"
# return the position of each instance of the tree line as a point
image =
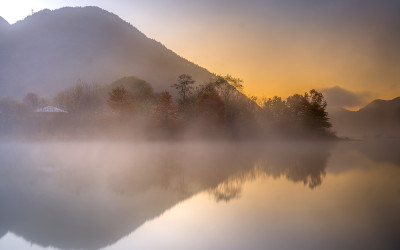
(215, 108)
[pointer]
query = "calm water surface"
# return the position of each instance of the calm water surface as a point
(104, 195)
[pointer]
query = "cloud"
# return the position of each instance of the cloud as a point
(338, 97)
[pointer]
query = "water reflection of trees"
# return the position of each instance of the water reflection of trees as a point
(297, 162)
(228, 190)
(222, 171)
(74, 198)
(301, 164)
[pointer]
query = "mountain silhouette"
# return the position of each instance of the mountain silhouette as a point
(380, 118)
(51, 50)
(3, 23)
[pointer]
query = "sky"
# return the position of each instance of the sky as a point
(278, 47)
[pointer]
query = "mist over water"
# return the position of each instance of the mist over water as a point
(92, 195)
(109, 140)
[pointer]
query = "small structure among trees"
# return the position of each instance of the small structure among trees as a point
(216, 108)
(50, 109)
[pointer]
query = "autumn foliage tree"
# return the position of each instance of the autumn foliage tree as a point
(121, 100)
(218, 106)
(141, 90)
(166, 112)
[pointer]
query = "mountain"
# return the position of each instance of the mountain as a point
(51, 50)
(378, 118)
(3, 23)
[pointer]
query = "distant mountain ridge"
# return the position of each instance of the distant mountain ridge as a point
(3, 22)
(51, 50)
(380, 118)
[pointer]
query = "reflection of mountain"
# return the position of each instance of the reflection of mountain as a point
(383, 150)
(50, 50)
(87, 196)
(379, 118)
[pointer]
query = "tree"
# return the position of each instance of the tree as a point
(211, 109)
(31, 100)
(184, 87)
(298, 113)
(317, 117)
(83, 98)
(228, 87)
(297, 106)
(142, 90)
(12, 107)
(309, 111)
(121, 100)
(275, 109)
(166, 111)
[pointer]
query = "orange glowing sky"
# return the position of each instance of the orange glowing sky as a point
(276, 47)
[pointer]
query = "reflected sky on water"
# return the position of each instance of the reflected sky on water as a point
(281, 195)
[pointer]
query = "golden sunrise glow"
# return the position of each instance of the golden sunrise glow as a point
(170, 124)
(276, 50)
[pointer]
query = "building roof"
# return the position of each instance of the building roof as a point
(50, 109)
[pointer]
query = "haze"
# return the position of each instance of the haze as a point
(276, 47)
(199, 125)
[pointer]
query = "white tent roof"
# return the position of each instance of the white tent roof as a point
(50, 109)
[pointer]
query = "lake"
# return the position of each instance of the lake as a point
(200, 195)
